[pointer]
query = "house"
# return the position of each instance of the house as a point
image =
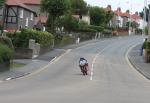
(85, 18)
(15, 15)
(117, 19)
(41, 19)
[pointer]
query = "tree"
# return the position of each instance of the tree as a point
(55, 8)
(79, 7)
(133, 24)
(97, 16)
(1, 3)
(145, 13)
(109, 16)
(69, 22)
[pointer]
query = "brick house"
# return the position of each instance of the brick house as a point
(15, 15)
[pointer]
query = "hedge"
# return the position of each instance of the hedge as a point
(6, 53)
(6, 41)
(97, 28)
(148, 47)
(67, 40)
(21, 39)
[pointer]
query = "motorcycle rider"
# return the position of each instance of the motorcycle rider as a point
(83, 64)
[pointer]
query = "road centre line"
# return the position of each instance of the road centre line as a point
(94, 60)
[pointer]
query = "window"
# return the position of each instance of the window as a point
(27, 22)
(21, 13)
(31, 16)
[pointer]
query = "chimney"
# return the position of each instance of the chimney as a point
(136, 13)
(119, 9)
(109, 6)
(128, 11)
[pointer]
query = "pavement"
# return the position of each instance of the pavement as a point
(33, 65)
(139, 62)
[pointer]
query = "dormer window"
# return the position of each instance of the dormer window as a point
(21, 13)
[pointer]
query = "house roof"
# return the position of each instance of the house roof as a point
(31, 2)
(126, 14)
(41, 19)
(18, 3)
(136, 17)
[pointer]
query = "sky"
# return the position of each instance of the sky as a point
(132, 5)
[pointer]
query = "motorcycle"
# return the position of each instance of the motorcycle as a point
(84, 69)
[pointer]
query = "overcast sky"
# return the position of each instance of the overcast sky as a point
(133, 5)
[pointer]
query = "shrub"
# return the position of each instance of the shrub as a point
(148, 50)
(97, 28)
(6, 41)
(146, 30)
(6, 53)
(83, 24)
(58, 39)
(86, 30)
(66, 39)
(21, 39)
(138, 31)
(106, 31)
(69, 22)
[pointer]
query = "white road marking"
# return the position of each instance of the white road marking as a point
(129, 63)
(51, 62)
(94, 60)
(8, 78)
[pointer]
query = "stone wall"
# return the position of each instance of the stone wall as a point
(4, 66)
(23, 53)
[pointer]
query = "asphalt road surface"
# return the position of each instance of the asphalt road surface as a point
(111, 78)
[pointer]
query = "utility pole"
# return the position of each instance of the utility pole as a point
(130, 19)
(144, 17)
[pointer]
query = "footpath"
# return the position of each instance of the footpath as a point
(138, 61)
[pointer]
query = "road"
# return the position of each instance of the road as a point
(111, 79)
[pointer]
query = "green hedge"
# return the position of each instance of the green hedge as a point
(21, 39)
(106, 31)
(6, 53)
(148, 51)
(148, 47)
(138, 31)
(67, 40)
(97, 28)
(6, 41)
(86, 30)
(64, 39)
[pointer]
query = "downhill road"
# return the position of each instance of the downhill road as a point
(111, 78)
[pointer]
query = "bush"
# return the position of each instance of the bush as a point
(138, 31)
(6, 54)
(148, 51)
(21, 39)
(106, 31)
(86, 30)
(69, 22)
(6, 41)
(66, 39)
(146, 30)
(97, 28)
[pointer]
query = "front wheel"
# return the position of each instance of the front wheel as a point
(84, 70)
